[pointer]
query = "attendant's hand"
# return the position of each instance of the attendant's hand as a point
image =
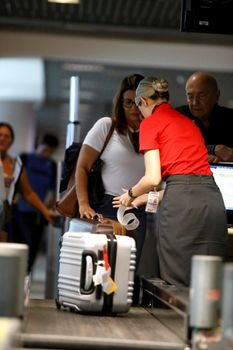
(140, 200)
(86, 211)
(124, 199)
(213, 159)
(224, 153)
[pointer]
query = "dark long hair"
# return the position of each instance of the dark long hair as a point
(9, 127)
(118, 115)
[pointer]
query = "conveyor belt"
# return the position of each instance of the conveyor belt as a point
(172, 296)
(176, 301)
(46, 327)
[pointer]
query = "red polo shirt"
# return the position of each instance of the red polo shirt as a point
(179, 140)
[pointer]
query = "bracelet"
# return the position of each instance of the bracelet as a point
(130, 193)
(211, 149)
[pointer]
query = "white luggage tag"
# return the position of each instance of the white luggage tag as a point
(103, 273)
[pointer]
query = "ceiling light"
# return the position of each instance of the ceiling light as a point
(65, 1)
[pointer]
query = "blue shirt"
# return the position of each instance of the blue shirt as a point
(42, 177)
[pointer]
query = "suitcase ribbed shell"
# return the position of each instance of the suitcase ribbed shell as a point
(69, 292)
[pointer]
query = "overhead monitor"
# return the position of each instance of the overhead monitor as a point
(207, 16)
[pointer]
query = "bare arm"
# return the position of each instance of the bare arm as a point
(86, 159)
(50, 199)
(141, 200)
(152, 177)
(31, 197)
(148, 182)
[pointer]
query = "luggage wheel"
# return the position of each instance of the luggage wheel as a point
(58, 305)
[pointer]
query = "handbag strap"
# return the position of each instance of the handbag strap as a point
(107, 139)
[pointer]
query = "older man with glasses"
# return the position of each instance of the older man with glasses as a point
(215, 122)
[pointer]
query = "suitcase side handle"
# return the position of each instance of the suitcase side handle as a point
(88, 268)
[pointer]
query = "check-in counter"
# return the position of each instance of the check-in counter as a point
(230, 245)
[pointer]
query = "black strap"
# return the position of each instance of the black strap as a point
(134, 136)
(112, 253)
(24, 158)
(107, 139)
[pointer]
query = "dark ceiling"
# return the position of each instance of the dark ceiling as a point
(135, 19)
(99, 15)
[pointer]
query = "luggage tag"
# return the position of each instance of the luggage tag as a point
(152, 202)
(103, 273)
(109, 286)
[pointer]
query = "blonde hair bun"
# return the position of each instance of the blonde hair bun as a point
(152, 87)
(160, 85)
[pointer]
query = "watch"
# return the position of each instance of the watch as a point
(130, 193)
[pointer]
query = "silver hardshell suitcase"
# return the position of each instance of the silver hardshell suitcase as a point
(80, 254)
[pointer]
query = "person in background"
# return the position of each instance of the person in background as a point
(8, 163)
(123, 164)
(216, 122)
(28, 222)
(6, 140)
(191, 215)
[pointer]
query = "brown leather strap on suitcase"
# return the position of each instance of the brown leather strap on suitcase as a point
(104, 225)
(3, 236)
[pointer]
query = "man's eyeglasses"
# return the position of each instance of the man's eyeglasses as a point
(5, 136)
(128, 103)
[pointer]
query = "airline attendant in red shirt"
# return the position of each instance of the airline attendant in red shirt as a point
(192, 218)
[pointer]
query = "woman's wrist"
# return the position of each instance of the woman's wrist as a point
(130, 193)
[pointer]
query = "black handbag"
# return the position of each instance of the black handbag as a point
(96, 188)
(67, 205)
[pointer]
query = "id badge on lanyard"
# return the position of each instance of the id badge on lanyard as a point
(152, 202)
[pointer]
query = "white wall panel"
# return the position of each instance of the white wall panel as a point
(21, 116)
(118, 51)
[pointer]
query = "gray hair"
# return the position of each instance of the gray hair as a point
(153, 88)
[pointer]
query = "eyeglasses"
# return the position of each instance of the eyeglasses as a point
(5, 136)
(128, 103)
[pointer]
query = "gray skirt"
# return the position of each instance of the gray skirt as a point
(192, 220)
